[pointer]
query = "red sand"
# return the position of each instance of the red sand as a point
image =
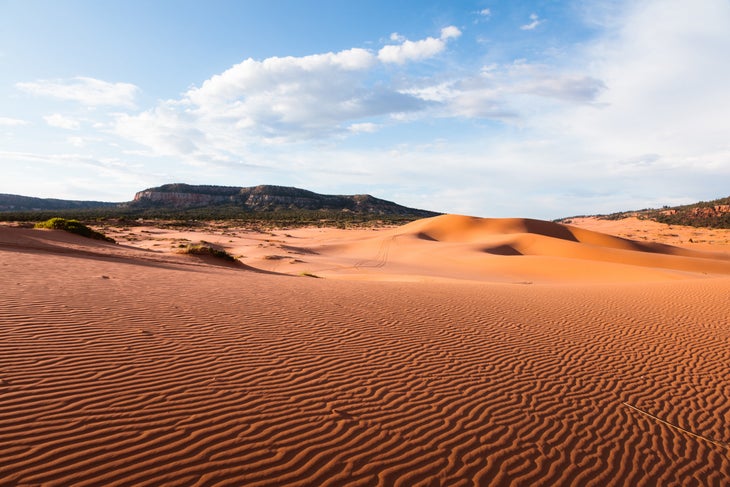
(451, 351)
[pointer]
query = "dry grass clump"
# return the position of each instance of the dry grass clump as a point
(204, 248)
(73, 226)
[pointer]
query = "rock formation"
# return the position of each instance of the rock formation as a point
(266, 198)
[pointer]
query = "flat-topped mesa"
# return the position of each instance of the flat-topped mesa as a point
(177, 200)
(185, 195)
(267, 198)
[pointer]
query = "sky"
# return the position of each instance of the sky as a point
(493, 108)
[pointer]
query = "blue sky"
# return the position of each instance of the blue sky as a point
(491, 108)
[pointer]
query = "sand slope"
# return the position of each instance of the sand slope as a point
(122, 366)
(510, 250)
(697, 238)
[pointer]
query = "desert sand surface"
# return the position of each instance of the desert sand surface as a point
(451, 351)
(713, 239)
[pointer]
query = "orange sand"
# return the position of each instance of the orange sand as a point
(450, 351)
(714, 239)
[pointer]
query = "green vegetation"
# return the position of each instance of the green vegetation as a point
(264, 206)
(204, 248)
(703, 214)
(710, 214)
(235, 215)
(73, 226)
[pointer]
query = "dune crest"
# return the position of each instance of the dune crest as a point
(461, 228)
(516, 249)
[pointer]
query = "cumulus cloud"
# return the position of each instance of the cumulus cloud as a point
(485, 12)
(292, 99)
(275, 100)
(535, 21)
(638, 119)
(634, 117)
(285, 75)
(450, 32)
(639, 111)
(61, 121)
(282, 99)
(11, 122)
(167, 130)
(89, 92)
(411, 51)
(417, 50)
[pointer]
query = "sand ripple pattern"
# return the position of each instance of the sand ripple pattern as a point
(118, 374)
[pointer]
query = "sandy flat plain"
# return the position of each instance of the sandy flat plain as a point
(450, 351)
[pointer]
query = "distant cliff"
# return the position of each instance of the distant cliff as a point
(712, 214)
(271, 203)
(265, 199)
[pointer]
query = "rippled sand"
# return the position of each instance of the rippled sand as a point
(451, 351)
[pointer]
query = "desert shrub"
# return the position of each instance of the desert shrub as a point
(73, 226)
(206, 249)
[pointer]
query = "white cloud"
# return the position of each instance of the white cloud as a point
(636, 116)
(547, 82)
(285, 75)
(656, 127)
(76, 141)
(278, 100)
(268, 102)
(485, 12)
(417, 50)
(450, 32)
(576, 88)
(61, 121)
(167, 130)
(666, 73)
(511, 93)
(365, 127)
(87, 91)
(532, 25)
(12, 122)
(411, 51)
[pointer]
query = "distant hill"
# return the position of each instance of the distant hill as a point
(14, 202)
(711, 214)
(185, 201)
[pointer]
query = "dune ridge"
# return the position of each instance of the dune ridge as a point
(120, 366)
(520, 250)
(458, 228)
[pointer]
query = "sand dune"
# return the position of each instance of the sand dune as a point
(712, 239)
(506, 250)
(134, 365)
